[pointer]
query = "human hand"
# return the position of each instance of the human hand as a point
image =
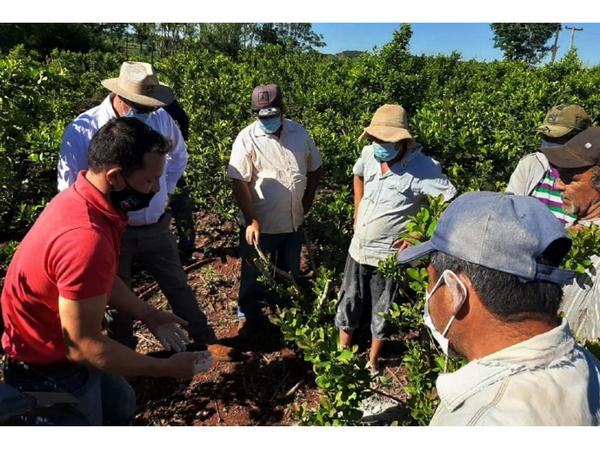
(253, 233)
(187, 364)
(166, 326)
(401, 244)
(203, 361)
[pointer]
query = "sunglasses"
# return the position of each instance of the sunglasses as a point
(141, 109)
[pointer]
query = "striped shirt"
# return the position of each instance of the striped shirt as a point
(550, 197)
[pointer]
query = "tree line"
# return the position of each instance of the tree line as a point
(157, 40)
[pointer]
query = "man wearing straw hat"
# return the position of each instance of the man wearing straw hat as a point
(147, 239)
(392, 179)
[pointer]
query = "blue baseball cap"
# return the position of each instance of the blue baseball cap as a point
(502, 232)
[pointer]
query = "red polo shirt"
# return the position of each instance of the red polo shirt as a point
(71, 251)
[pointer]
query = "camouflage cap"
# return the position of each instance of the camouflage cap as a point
(563, 119)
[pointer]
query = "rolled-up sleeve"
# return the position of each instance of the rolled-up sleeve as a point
(177, 158)
(359, 166)
(240, 161)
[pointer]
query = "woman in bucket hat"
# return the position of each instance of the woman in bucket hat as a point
(392, 179)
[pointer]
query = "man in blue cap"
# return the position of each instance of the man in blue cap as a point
(493, 297)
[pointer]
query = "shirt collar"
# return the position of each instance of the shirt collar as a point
(411, 153)
(96, 199)
(454, 388)
(108, 106)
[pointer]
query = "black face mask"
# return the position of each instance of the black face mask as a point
(129, 199)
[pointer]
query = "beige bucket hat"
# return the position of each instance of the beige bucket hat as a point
(138, 83)
(389, 124)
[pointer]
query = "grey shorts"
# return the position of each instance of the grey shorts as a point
(364, 289)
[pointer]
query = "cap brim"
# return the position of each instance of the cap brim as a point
(553, 130)
(416, 252)
(162, 95)
(564, 158)
(386, 134)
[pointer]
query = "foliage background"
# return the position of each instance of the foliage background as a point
(476, 118)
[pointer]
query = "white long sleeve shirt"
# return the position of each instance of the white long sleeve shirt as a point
(74, 155)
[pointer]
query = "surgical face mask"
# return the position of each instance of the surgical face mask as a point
(385, 152)
(270, 124)
(441, 338)
(142, 117)
(130, 199)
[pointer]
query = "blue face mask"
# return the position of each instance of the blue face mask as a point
(385, 152)
(270, 125)
(142, 117)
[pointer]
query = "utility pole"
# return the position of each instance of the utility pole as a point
(555, 46)
(573, 30)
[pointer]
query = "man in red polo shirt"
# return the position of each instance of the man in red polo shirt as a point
(64, 273)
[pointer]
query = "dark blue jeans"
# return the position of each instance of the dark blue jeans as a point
(284, 251)
(103, 399)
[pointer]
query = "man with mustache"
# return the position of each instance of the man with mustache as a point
(578, 164)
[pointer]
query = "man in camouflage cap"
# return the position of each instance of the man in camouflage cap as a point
(578, 165)
(534, 175)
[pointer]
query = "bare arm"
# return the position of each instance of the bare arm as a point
(86, 344)
(162, 324)
(359, 190)
(312, 183)
(122, 299)
(243, 197)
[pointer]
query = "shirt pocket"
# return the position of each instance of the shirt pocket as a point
(369, 187)
(397, 192)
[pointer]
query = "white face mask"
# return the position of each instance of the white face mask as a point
(441, 338)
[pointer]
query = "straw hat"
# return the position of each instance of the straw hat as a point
(138, 83)
(389, 124)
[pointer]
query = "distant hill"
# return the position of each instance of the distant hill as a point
(351, 53)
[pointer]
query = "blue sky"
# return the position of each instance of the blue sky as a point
(472, 40)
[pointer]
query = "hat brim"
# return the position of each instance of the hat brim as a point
(565, 158)
(554, 131)
(386, 134)
(416, 252)
(162, 95)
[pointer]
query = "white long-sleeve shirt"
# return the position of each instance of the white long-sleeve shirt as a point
(74, 155)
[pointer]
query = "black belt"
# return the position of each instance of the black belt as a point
(39, 368)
